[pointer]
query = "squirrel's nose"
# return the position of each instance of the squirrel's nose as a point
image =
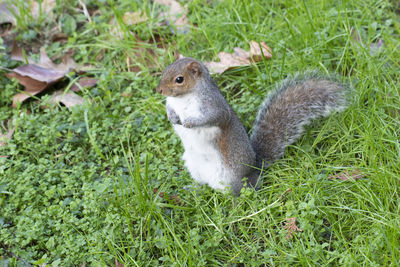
(159, 89)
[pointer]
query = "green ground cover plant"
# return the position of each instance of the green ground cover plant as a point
(102, 183)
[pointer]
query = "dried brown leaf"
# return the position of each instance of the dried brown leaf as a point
(39, 74)
(36, 77)
(239, 57)
(83, 82)
(59, 37)
(66, 66)
(345, 175)
(16, 54)
(291, 226)
(257, 51)
(69, 99)
(131, 18)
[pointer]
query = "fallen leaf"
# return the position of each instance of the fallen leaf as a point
(239, 57)
(59, 37)
(42, 7)
(131, 18)
(66, 65)
(345, 175)
(291, 226)
(175, 14)
(69, 99)
(36, 77)
(16, 54)
(7, 19)
(4, 138)
(259, 50)
(83, 82)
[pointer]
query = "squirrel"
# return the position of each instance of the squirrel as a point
(218, 150)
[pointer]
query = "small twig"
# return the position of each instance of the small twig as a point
(85, 11)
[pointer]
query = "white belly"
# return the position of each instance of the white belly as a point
(202, 158)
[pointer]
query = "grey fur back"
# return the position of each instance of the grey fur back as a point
(286, 110)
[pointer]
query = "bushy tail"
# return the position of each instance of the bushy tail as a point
(286, 111)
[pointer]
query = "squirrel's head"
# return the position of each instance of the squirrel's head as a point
(180, 77)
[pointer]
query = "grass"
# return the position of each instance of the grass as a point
(78, 186)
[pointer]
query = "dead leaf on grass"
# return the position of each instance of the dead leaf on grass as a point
(59, 37)
(83, 82)
(36, 77)
(66, 65)
(345, 175)
(131, 18)
(259, 50)
(291, 226)
(17, 54)
(176, 14)
(240, 57)
(69, 99)
(7, 19)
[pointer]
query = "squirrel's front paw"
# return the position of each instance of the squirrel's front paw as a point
(174, 119)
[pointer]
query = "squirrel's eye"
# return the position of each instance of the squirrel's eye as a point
(179, 79)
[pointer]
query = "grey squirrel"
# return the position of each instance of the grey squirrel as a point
(218, 151)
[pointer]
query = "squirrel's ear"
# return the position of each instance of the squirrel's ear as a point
(194, 68)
